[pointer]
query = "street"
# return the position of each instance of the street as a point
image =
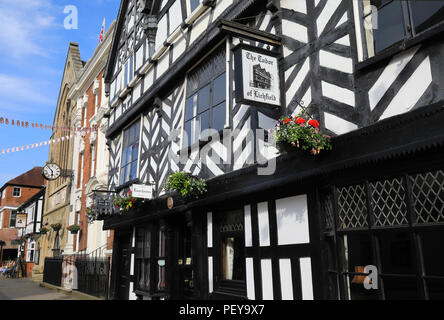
(26, 289)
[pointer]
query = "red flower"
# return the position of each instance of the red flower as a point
(132, 200)
(287, 120)
(300, 120)
(313, 123)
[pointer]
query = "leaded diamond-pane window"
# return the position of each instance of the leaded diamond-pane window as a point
(388, 202)
(352, 207)
(428, 196)
(232, 221)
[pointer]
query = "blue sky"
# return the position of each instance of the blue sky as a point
(33, 48)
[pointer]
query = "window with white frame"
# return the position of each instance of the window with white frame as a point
(193, 4)
(387, 22)
(130, 156)
(168, 23)
(205, 106)
(30, 251)
(16, 192)
(128, 71)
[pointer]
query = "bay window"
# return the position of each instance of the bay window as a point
(387, 22)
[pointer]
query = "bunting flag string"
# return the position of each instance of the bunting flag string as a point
(36, 145)
(26, 124)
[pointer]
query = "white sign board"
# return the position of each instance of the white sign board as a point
(20, 220)
(142, 191)
(257, 77)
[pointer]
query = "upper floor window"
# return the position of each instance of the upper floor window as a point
(168, 23)
(387, 22)
(128, 71)
(12, 219)
(16, 192)
(193, 5)
(206, 98)
(130, 153)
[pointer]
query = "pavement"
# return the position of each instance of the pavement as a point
(26, 289)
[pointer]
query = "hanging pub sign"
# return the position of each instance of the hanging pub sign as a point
(20, 221)
(103, 203)
(256, 76)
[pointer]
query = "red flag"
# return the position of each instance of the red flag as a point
(102, 32)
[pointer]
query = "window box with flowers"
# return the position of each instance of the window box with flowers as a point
(74, 229)
(43, 230)
(125, 204)
(56, 226)
(301, 132)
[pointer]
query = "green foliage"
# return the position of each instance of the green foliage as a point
(125, 203)
(186, 184)
(91, 213)
(73, 227)
(303, 132)
(56, 226)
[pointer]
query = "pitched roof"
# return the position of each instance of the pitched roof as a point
(31, 178)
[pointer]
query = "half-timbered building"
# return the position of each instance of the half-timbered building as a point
(276, 224)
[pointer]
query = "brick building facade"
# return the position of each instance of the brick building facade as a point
(13, 194)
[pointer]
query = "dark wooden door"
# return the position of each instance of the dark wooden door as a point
(123, 266)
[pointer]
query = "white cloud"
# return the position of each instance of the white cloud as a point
(23, 25)
(15, 89)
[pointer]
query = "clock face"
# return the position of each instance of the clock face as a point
(51, 171)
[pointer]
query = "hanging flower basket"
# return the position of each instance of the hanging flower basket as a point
(43, 230)
(186, 184)
(74, 229)
(300, 132)
(56, 226)
(91, 213)
(125, 204)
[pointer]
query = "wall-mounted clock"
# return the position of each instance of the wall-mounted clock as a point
(51, 171)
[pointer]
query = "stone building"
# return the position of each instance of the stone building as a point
(58, 192)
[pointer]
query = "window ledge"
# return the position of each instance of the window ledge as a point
(399, 47)
(201, 143)
(126, 184)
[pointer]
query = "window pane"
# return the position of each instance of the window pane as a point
(356, 251)
(219, 113)
(426, 14)
(357, 291)
(147, 274)
(194, 4)
(400, 288)
(233, 258)
(189, 112)
(203, 122)
(133, 174)
(127, 172)
(187, 134)
(388, 29)
(135, 152)
(397, 255)
(432, 243)
(147, 245)
(204, 99)
(219, 89)
(141, 274)
(140, 235)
